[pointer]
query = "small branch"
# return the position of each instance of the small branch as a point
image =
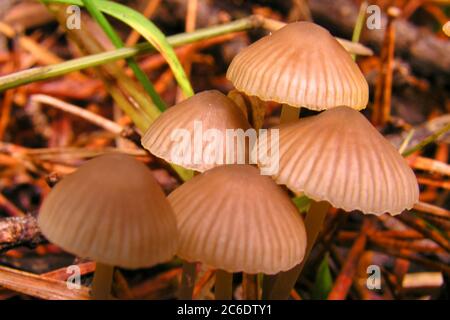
(345, 278)
(161, 286)
(383, 90)
(430, 165)
(100, 121)
(19, 231)
(207, 277)
(433, 210)
(421, 226)
(39, 286)
(409, 255)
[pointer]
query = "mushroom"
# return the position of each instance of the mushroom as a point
(299, 65)
(113, 211)
(173, 136)
(228, 226)
(338, 158)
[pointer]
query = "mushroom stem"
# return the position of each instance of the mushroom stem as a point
(268, 283)
(224, 285)
(101, 285)
(289, 113)
(187, 280)
(250, 286)
(285, 281)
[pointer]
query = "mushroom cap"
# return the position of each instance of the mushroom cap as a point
(301, 65)
(339, 157)
(235, 219)
(210, 108)
(113, 211)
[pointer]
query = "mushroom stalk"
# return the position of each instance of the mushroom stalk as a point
(187, 280)
(289, 113)
(250, 286)
(268, 283)
(103, 278)
(224, 285)
(285, 281)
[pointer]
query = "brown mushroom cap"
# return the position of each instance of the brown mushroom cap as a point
(213, 109)
(301, 65)
(111, 210)
(338, 156)
(235, 219)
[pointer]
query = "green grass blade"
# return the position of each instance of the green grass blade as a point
(47, 72)
(302, 203)
(324, 281)
(359, 24)
(117, 42)
(147, 29)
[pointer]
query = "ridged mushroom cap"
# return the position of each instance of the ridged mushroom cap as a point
(208, 109)
(338, 156)
(301, 65)
(113, 211)
(235, 219)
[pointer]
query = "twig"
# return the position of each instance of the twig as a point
(405, 254)
(100, 121)
(433, 210)
(421, 226)
(19, 231)
(162, 284)
(191, 15)
(40, 287)
(434, 183)
(430, 165)
(344, 280)
(29, 44)
(202, 282)
(382, 106)
(60, 274)
(350, 236)
(409, 245)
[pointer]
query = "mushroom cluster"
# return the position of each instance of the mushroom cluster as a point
(230, 216)
(335, 158)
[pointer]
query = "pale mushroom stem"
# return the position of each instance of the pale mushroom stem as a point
(224, 285)
(250, 286)
(315, 218)
(187, 280)
(102, 283)
(289, 113)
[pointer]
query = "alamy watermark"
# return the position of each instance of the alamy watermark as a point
(373, 21)
(373, 281)
(73, 281)
(234, 146)
(73, 20)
